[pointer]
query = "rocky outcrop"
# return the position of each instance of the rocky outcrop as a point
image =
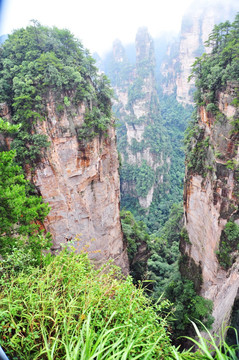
(80, 181)
(211, 200)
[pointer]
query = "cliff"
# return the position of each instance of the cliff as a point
(211, 205)
(66, 142)
(80, 182)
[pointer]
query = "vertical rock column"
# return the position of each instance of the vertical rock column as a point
(80, 181)
(138, 109)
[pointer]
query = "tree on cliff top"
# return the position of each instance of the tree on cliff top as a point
(38, 61)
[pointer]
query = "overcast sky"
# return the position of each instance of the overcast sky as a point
(97, 23)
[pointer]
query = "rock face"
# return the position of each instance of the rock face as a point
(211, 200)
(137, 107)
(196, 27)
(80, 181)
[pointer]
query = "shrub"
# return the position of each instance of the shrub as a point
(228, 243)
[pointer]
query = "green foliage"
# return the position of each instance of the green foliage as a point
(162, 264)
(163, 269)
(231, 164)
(142, 176)
(20, 212)
(171, 230)
(66, 101)
(135, 91)
(29, 147)
(155, 137)
(197, 148)
(229, 242)
(184, 236)
(212, 108)
(67, 308)
(214, 347)
(235, 102)
(213, 72)
(161, 140)
(235, 123)
(94, 124)
(7, 128)
(137, 146)
(197, 156)
(175, 119)
(232, 231)
(138, 242)
(21, 241)
(144, 179)
(37, 62)
(187, 305)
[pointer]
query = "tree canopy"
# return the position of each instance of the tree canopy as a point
(38, 61)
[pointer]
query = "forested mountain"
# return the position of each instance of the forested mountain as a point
(150, 84)
(149, 134)
(57, 132)
(162, 182)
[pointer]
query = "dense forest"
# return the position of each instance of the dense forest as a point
(62, 307)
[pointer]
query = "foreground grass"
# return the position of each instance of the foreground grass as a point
(215, 347)
(68, 310)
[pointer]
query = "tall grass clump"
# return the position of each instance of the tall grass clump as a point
(68, 310)
(215, 347)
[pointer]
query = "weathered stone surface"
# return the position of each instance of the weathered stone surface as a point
(4, 111)
(209, 204)
(81, 184)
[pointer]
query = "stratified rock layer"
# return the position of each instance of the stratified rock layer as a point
(210, 201)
